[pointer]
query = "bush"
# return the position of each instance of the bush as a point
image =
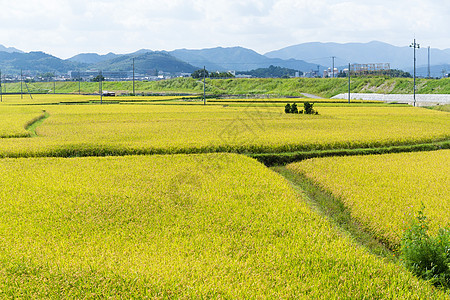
(308, 108)
(427, 256)
(287, 108)
(294, 109)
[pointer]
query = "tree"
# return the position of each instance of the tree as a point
(287, 108)
(221, 75)
(98, 78)
(271, 71)
(294, 109)
(308, 108)
(47, 76)
(200, 73)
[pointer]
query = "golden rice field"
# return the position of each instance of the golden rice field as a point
(134, 129)
(14, 120)
(35, 99)
(292, 100)
(384, 192)
(176, 226)
(206, 225)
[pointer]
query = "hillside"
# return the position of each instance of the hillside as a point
(324, 87)
(238, 59)
(372, 52)
(92, 58)
(146, 62)
(34, 62)
(303, 57)
(9, 49)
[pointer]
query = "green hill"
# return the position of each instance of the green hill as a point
(34, 62)
(324, 87)
(146, 63)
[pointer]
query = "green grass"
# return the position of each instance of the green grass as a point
(274, 159)
(183, 226)
(35, 123)
(440, 107)
(324, 87)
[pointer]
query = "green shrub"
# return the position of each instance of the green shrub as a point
(308, 109)
(287, 108)
(294, 109)
(427, 256)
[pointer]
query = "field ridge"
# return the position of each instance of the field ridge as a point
(273, 159)
(33, 124)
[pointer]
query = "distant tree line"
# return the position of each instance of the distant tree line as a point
(391, 73)
(397, 73)
(48, 76)
(98, 78)
(271, 72)
(200, 73)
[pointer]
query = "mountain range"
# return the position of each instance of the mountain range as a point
(373, 52)
(303, 57)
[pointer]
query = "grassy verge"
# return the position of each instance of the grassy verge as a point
(272, 159)
(324, 87)
(440, 107)
(33, 124)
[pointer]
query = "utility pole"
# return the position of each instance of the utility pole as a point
(332, 71)
(79, 83)
(100, 87)
(429, 62)
(28, 90)
(133, 78)
(415, 46)
(204, 86)
(349, 83)
(21, 81)
(1, 88)
(318, 71)
(54, 84)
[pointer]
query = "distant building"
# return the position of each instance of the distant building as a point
(329, 73)
(108, 94)
(243, 76)
(312, 74)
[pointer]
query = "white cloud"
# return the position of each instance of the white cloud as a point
(65, 28)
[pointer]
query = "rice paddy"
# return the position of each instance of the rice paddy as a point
(147, 129)
(183, 226)
(384, 192)
(198, 221)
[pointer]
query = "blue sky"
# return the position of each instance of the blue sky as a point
(65, 28)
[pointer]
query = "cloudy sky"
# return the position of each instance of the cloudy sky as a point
(65, 28)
